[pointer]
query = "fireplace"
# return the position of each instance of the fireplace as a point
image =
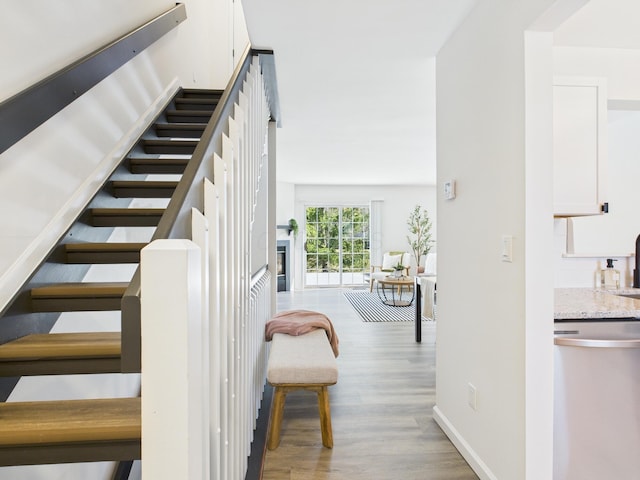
(283, 265)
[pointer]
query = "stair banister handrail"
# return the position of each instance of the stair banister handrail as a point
(175, 222)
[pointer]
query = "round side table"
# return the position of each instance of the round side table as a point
(394, 291)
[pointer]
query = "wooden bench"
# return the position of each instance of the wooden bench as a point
(304, 362)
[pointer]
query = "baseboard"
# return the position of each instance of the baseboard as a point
(463, 447)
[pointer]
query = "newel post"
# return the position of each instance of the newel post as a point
(172, 400)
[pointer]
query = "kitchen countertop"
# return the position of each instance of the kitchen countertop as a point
(593, 303)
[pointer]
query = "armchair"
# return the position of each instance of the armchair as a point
(389, 260)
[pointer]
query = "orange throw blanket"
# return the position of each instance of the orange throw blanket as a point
(299, 322)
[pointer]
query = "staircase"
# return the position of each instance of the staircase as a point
(129, 206)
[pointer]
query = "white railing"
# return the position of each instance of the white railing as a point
(226, 355)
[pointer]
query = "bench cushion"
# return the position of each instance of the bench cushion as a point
(302, 359)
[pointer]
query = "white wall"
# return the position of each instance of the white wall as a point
(398, 202)
(68, 29)
(285, 205)
(71, 29)
(489, 329)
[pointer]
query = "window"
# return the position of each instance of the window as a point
(337, 245)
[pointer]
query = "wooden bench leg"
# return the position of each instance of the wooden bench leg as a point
(277, 410)
(325, 417)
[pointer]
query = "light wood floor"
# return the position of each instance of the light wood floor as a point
(381, 406)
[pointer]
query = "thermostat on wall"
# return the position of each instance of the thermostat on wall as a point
(450, 189)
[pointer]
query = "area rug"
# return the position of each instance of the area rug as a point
(371, 309)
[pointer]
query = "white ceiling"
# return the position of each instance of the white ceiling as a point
(356, 82)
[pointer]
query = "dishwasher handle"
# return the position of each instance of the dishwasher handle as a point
(597, 342)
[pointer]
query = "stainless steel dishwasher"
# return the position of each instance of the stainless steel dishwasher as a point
(597, 400)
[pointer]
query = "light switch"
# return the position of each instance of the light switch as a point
(507, 248)
(450, 189)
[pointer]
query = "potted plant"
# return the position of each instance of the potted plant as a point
(419, 239)
(293, 226)
(398, 269)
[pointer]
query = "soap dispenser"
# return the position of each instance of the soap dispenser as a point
(610, 277)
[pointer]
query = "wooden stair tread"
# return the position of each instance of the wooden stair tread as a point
(183, 113)
(169, 146)
(158, 165)
(144, 183)
(200, 92)
(143, 188)
(199, 114)
(69, 421)
(127, 211)
(180, 130)
(62, 345)
(159, 160)
(125, 217)
(196, 100)
(195, 103)
(170, 142)
(80, 289)
(105, 247)
(78, 297)
(103, 252)
(181, 125)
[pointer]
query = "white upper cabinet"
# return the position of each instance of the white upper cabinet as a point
(579, 145)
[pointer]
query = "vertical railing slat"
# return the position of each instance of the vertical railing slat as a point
(227, 156)
(217, 362)
(200, 236)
